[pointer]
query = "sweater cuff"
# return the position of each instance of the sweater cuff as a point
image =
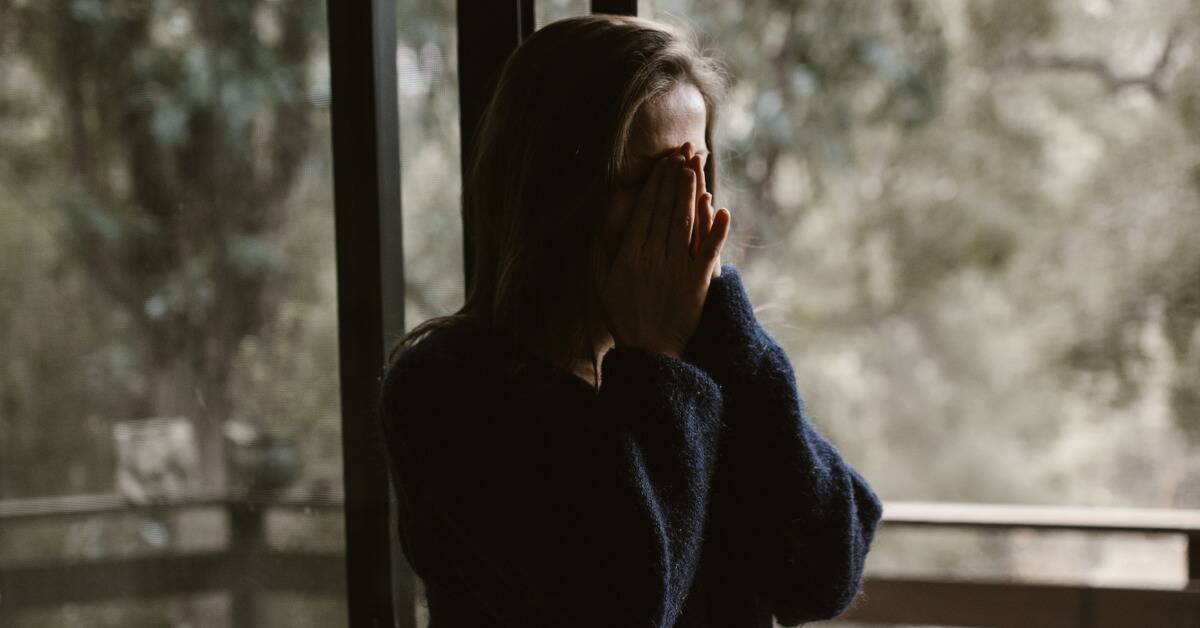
(660, 384)
(728, 338)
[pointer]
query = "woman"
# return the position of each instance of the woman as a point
(604, 435)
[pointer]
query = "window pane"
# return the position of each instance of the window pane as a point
(170, 450)
(430, 157)
(547, 11)
(973, 227)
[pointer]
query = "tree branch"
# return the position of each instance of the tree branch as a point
(1151, 81)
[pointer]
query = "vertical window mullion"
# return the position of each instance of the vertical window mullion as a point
(366, 166)
(615, 7)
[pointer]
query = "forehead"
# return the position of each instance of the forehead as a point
(668, 121)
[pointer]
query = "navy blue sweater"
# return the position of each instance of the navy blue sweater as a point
(685, 492)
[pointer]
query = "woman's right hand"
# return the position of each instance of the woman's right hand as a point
(654, 291)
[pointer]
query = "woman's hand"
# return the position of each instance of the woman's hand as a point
(654, 291)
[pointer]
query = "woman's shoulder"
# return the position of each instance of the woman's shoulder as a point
(459, 349)
(468, 361)
(434, 385)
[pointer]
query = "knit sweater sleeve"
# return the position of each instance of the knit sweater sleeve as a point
(548, 513)
(804, 518)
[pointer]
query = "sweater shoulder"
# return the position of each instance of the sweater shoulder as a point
(461, 363)
(446, 345)
(444, 360)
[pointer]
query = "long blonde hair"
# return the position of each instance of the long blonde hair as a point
(548, 151)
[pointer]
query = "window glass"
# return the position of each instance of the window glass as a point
(170, 449)
(972, 225)
(430, 155)
(547, 11)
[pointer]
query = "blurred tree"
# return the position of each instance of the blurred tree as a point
(799, 87)
(973, 224)
(184, 126)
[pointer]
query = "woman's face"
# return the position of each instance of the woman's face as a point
(660, 127)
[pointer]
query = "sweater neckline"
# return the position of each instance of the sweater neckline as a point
(518, 370)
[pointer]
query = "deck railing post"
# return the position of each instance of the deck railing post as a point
(247, 542)
(1193, 561)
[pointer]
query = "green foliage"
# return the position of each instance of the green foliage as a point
(960, 224)
(999, 26)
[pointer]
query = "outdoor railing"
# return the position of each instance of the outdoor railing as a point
(961, 602)
(247, 567)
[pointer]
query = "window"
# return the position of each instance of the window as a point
(550, 10)
(170, 446)
(973, 226)
(431, 170)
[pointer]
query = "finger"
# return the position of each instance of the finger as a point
(684, 217)
(704, 218)
(697, 234)
(643, 208)
(668, 191)
(716, 240)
